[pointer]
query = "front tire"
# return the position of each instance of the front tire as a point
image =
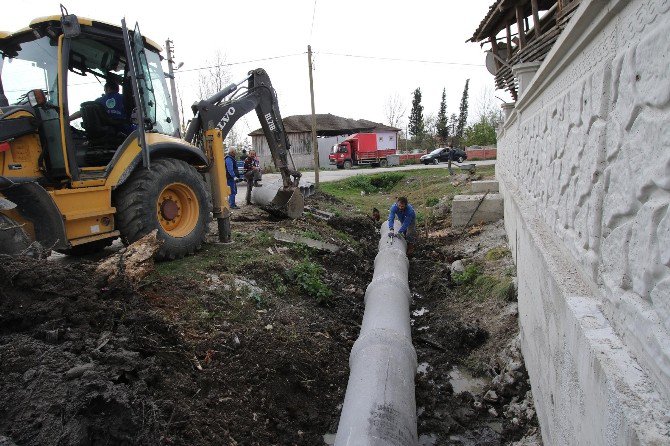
(436, 161)
(347, 164)
(171, 197)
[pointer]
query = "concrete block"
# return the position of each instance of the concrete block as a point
(464, 206)
(479, 187)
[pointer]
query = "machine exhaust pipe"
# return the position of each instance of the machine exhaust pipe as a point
(379, 405)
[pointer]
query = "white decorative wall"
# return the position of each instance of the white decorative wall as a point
(584, 164)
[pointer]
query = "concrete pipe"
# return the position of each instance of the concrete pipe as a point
(307, 188)
(379, 405)
(276, 200)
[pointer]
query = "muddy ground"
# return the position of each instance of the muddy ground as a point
(248, 344)
(471, 387)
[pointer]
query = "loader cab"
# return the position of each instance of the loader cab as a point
(82, 127)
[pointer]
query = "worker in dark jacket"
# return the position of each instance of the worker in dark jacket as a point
(405, 213)
(252, 173)
(231, 174)
(451, 157)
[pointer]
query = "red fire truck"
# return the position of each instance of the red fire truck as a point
(359, 149)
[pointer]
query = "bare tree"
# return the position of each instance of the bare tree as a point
(430, 124)
(394, 110)
(487, 107)
(233, 138)
(214, 77)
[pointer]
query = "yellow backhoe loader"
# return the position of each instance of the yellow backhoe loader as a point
(77, 172)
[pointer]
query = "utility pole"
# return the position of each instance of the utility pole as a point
(173, 88)
(315, 144)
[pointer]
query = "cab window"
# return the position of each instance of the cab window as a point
(28, 66)
(164, 119)
(99, 98)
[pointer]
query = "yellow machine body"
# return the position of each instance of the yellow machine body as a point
(80, 199)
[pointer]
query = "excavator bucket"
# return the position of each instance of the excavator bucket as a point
(279, 201)
(289, 202)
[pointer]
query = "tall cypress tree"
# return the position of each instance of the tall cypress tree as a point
(442, 125)
(416, 128)
(453, 124)
(463, 112)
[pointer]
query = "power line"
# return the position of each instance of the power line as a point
(395, 59)
(312, 28)
(240, 62)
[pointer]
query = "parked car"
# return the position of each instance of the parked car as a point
(442, 155)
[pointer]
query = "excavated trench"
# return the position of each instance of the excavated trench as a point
(181, 362)
(471, 385)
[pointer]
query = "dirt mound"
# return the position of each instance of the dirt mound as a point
(79, 364)
(86, 363)
(355, 226)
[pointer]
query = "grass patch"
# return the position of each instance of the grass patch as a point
(497, 253)
(233, 258)
(498, 288)
(381, 190)
(432, 201)
(311, 234)
(204, 260)
(482, 286)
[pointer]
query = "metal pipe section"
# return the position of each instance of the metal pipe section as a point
(379, 405)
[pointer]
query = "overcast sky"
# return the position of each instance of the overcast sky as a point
(353, 87)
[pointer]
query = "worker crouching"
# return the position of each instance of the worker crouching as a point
(407, 217)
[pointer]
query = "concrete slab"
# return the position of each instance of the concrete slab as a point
(479, 187)
(476, 209)
(292, 238)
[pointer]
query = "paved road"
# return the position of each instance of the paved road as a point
(338, 174)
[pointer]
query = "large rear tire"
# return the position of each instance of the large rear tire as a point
(383, 163)
(13, 239)
(171, 197)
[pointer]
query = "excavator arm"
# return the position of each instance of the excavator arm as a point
(220, 114)
(213, 120)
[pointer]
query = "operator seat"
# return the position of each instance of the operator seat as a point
(103, 133)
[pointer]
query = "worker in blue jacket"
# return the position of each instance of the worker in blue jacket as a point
(231, 174)
(407, 217)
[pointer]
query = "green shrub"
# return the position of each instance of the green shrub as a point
(373, 183)
(466, 277)
(386, 181)
(278, 284)
(432, 201)
(360, 182)
(308, 277)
